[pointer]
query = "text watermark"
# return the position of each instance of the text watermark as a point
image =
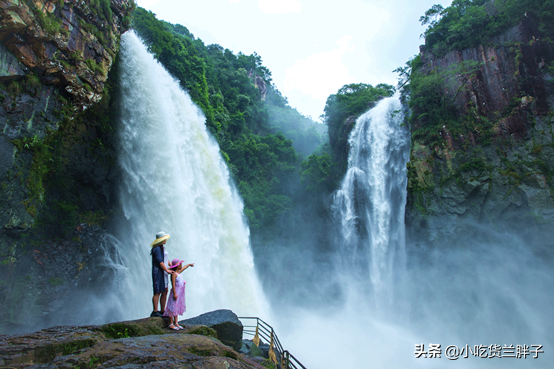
(453, 352)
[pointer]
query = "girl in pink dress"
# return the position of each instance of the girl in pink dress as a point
(176, 305)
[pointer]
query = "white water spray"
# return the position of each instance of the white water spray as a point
(484, 294)
(175, 180)
(371, 202)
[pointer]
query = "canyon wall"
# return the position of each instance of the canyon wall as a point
(489, 171)
(56, 151)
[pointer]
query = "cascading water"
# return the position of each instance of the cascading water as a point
(175, 180)
(371, 202)
(490, 292)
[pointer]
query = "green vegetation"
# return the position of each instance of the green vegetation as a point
(341, 111)
(254, 130)
(198, 352)
(14, 88)
(95, 67)
(55, 281)
(205, 331)
(319, 173)
(432, 100)
(440, 125)
(230, 354)
(74, 346)
(54, 192)
(40, 167)
(466, 23)
(50, 24)
(353, 100)
(121, 330)
(433, 92)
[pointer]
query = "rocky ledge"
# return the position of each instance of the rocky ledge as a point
(144, 343)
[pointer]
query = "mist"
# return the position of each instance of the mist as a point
(331, 311)
(483, 294)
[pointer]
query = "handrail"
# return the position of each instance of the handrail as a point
(282, 358)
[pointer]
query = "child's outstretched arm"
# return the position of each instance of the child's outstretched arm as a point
(188, 265)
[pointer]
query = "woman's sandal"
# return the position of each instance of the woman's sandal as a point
(180, 327)
(173, 327)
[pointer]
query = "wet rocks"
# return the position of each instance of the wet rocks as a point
(142, 343)
(53, 279)
(224, 322)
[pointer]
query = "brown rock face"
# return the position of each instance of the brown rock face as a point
(259, 83)
(142, 343)
(70, 44)
(491, 167)
(510, 76)
(56, 160)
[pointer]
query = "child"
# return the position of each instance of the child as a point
(176, 304)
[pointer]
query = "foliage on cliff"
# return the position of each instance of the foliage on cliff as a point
(480, 95)
(248, 116)
(341, 111)
(468, 23)
(434, 90)
(56, 57)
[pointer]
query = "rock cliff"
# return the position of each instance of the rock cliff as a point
(56, 149)
(490, 168)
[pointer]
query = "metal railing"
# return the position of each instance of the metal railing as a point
(282, 358)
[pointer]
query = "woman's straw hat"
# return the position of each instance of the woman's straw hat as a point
(160, 237)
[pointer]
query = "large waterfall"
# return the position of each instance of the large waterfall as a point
(175, 180)
(369, 206)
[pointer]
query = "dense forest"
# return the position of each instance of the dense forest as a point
(467, 23)
(251, 120)
(276, 155)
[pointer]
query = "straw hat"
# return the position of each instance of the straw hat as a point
(160, 237)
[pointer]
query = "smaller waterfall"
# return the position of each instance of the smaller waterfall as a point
(371, 202)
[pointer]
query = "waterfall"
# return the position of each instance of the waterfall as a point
(371, 202)
(175, 180)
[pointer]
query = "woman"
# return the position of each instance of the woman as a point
(158, 269)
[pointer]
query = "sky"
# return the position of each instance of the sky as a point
(311, 47)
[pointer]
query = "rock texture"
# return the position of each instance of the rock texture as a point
(56, 154)
(41, 282)
(70, 44)
(226, 323)
(138, 344)
(495, 173)
(259, 82)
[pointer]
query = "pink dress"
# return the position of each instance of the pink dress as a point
(176, 307)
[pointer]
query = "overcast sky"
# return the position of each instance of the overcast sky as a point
(312, 47)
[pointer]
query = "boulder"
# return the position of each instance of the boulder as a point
(248, 348)
(224, 322)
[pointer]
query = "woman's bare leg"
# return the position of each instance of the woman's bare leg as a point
(164, 299)
(155, 301)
